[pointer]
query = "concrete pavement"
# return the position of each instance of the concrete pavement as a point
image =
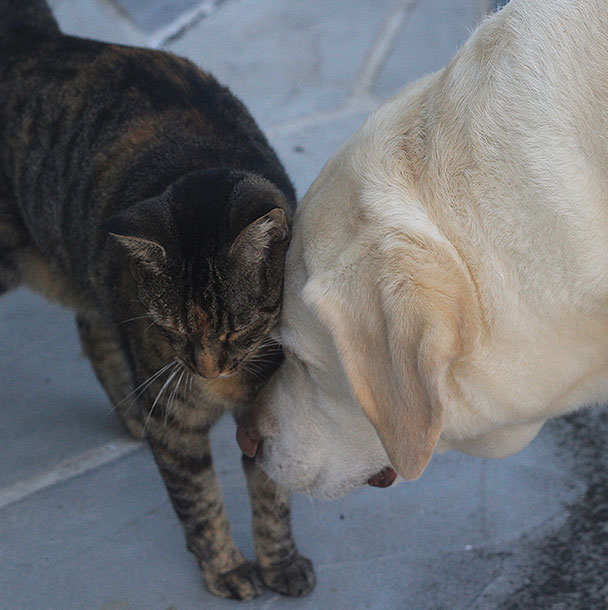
(85, 523)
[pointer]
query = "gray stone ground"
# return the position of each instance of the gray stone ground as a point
(85, 523)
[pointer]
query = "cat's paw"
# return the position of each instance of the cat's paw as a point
(243, 582)
(294, 578)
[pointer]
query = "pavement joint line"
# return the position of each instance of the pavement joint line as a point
(166, 34)
(352, 106)
(69, 469)
(117, 13)
(385, 40)
(362, 98)
(120, 12)
(181, 24)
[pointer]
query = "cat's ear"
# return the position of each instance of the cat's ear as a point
(145, 251)
(137, 230)
(259, 236)
(252, 197)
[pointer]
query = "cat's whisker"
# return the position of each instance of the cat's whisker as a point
(269, 350)
(256, 360)
(250, 366)
(255, 371)
(146, 317)
(269, 342)
(252, 372)
(146, 384)
(173, 394)
(169, 402)
(186, 379)
(141, 387)
(273, 347)
(160, 393)
(184, 373)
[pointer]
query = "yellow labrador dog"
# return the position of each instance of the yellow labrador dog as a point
(447, 282)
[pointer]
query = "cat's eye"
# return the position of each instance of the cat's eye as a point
(170, 333)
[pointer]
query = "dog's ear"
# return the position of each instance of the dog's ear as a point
(397, 331)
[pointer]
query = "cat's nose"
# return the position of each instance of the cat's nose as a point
(207, 365)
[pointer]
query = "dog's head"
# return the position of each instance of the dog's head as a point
(375, 313)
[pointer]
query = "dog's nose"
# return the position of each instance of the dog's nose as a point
(384, 478)
(248, 438)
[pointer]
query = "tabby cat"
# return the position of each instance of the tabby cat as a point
(138, 191)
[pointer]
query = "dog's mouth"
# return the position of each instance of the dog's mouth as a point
(384, 478)
(249, 440)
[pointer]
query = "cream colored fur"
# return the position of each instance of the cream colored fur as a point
(447, 282)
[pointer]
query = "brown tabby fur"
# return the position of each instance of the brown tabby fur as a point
(138, 191)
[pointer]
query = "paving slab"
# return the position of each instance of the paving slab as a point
(152, 15)
(305, 151)
(433, 34)
(52, 405)
(286, 59)
(110, 539)
(96, 19)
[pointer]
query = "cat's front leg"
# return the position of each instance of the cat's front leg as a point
(183, 457)
(281, 566)
(101, 343)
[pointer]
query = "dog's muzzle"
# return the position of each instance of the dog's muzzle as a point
(250, 441)
(384, 478)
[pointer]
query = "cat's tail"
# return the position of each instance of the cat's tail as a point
(35, 14)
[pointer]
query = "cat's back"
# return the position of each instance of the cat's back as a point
(112, 100)
(88, 127)
(15, 14)
(69, 72)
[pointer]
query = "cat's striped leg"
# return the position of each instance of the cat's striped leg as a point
(282, 567)
(102, 346)
(184, 459)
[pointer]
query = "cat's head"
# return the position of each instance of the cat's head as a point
(207, 257)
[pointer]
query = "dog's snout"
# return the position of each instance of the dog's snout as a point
(384, 478)
(248, 438)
